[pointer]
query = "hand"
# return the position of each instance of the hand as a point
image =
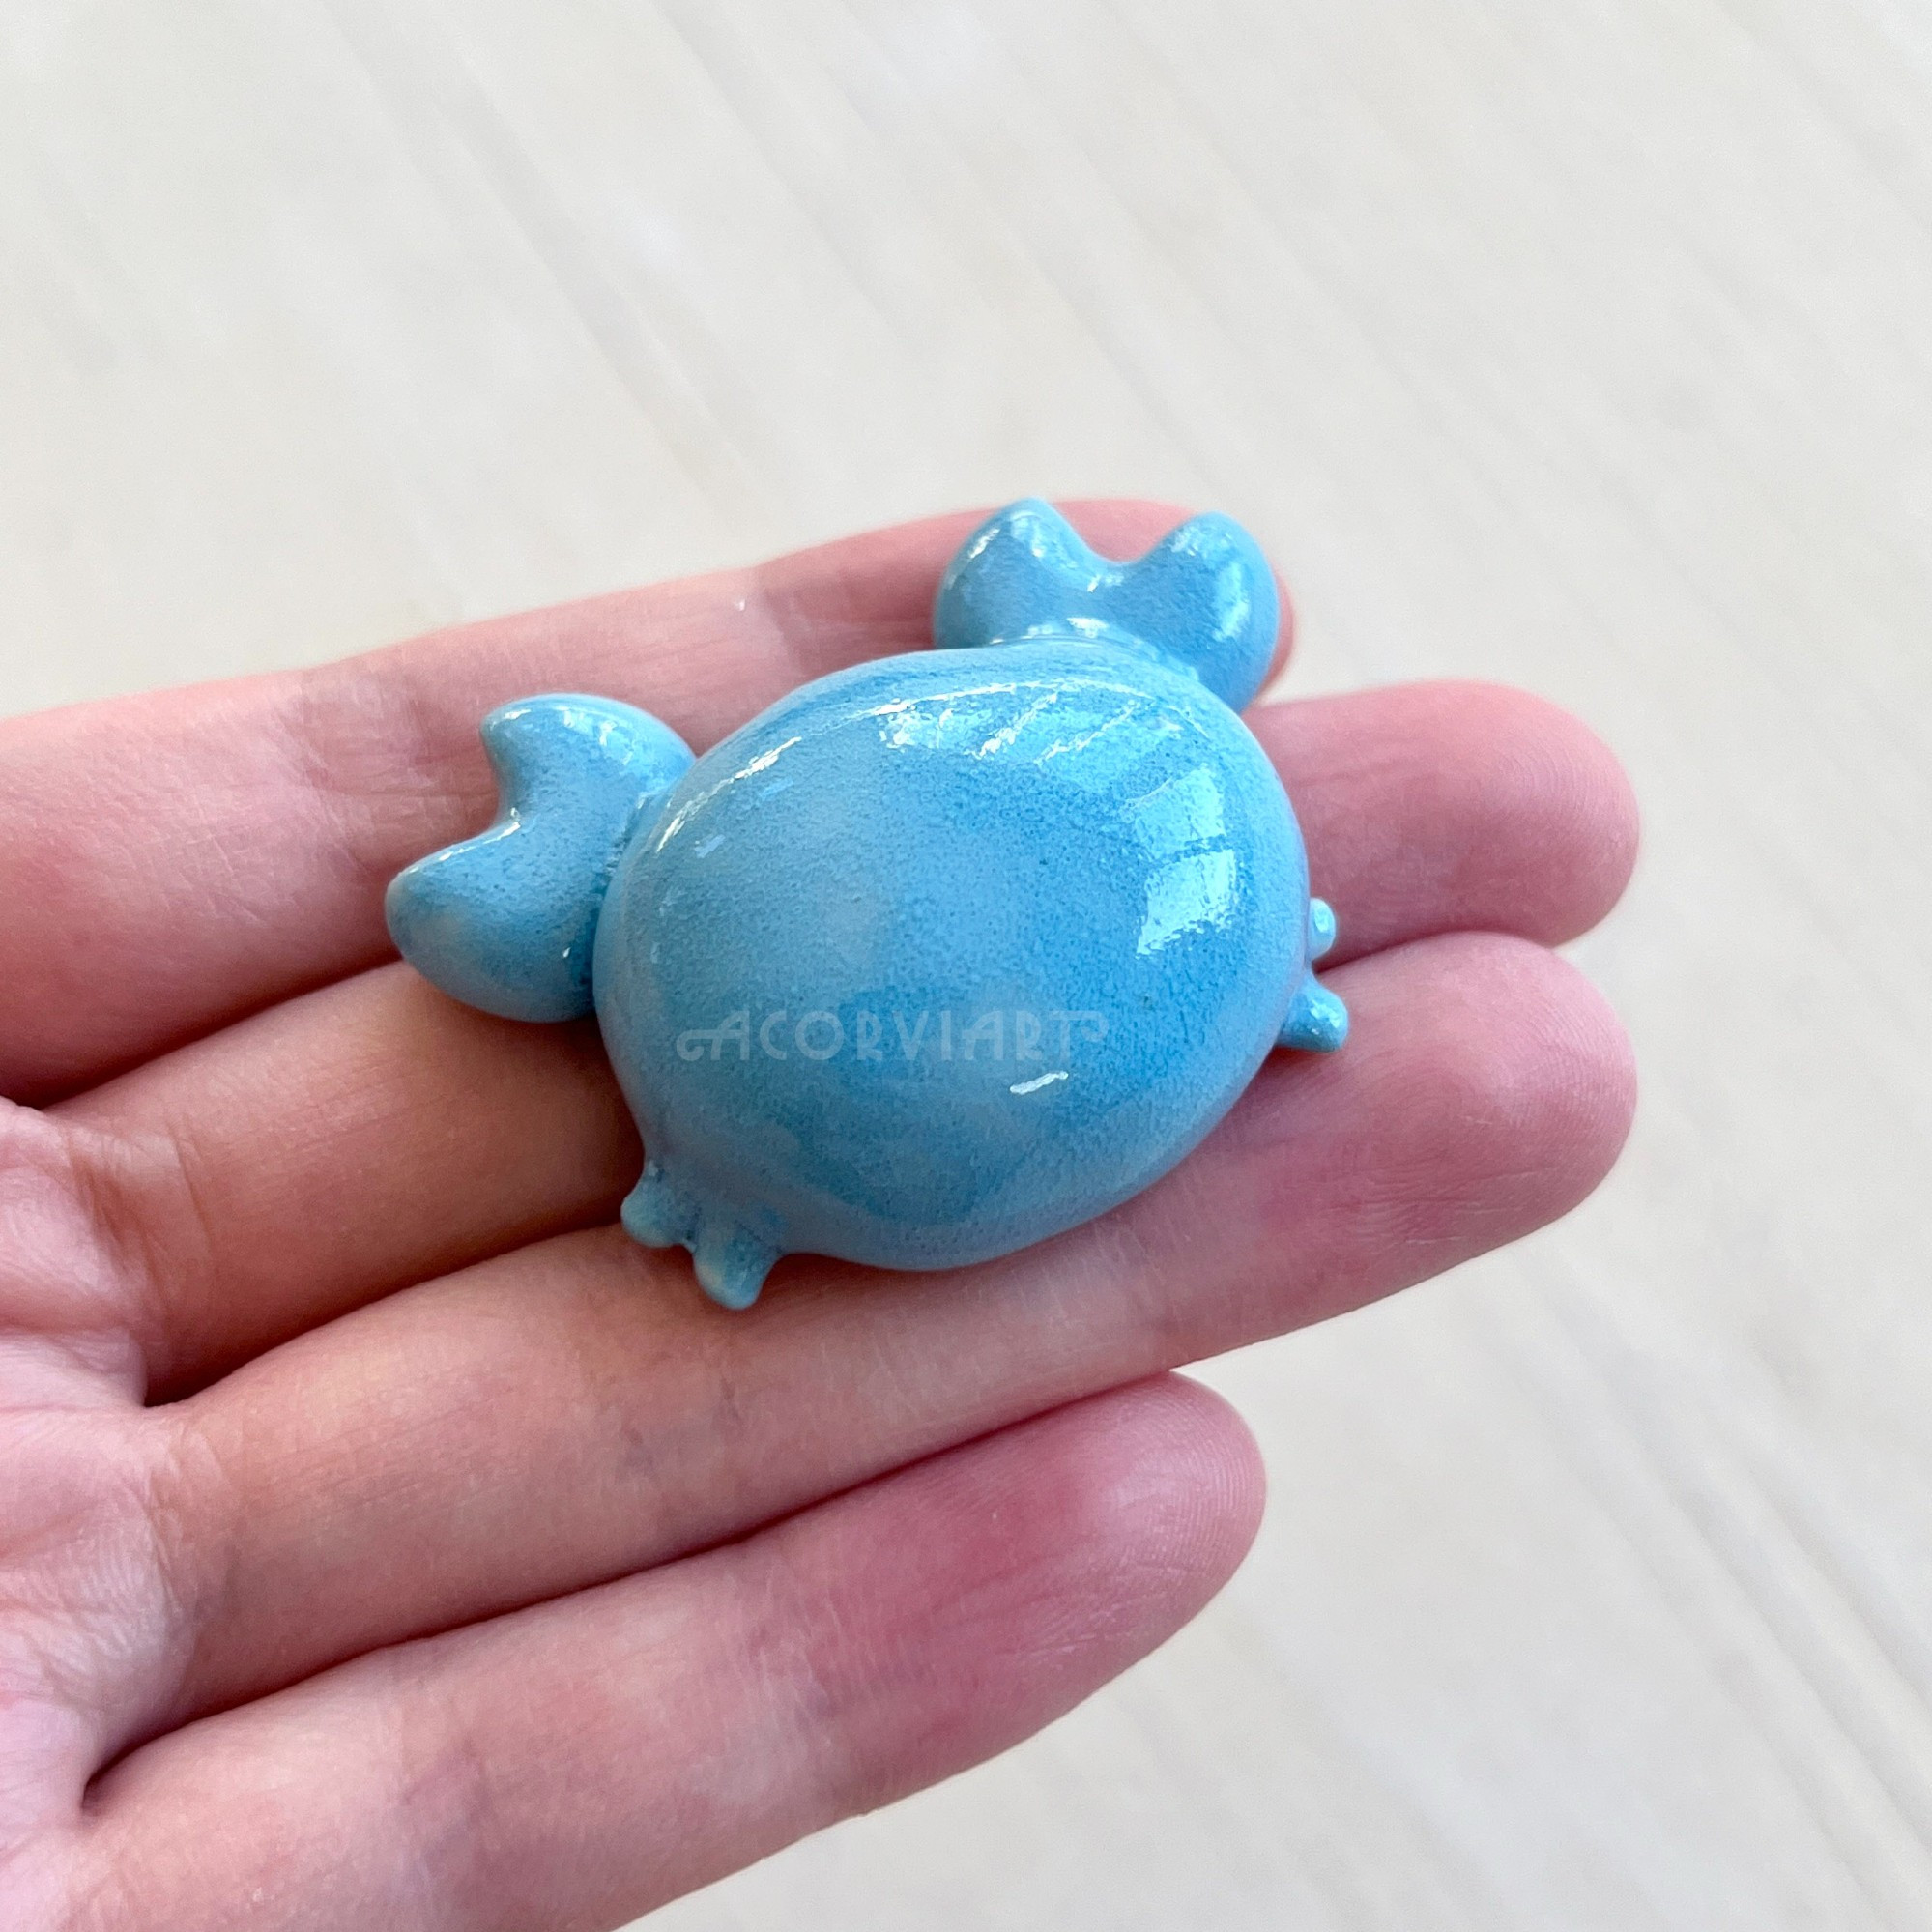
(386, 1542)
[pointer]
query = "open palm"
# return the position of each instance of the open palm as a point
(384, 1541)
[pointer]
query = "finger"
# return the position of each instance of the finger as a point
(178, 858)
(327, 1151)
(1443, 807)
(577, 1410)
(586, 1760)
(400, 1136)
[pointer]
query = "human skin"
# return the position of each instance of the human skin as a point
(385, 1541)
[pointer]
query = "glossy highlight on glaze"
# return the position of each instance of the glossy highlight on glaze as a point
(939, 955)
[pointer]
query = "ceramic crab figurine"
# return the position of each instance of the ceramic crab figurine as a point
(938, 956)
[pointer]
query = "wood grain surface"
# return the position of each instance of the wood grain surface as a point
(1584, 346)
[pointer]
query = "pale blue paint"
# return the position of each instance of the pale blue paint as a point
(506, 921)
(1202, 599)
(938, 956)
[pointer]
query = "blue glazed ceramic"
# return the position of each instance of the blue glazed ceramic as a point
(939, 955)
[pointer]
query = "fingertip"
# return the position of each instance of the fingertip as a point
(1511, 1066)
(1593, 1086)
(1197, 1485)
(1451, 806)
(1486, 1090)
(996, 1585)
(1156, 1487)
(1575, 789)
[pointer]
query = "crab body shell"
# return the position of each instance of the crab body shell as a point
(936, 958)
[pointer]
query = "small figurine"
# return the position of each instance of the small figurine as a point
(939, 955)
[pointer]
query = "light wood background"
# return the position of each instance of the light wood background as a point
(1584, 345)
